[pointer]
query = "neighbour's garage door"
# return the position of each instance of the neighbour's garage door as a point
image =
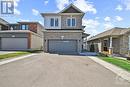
(62, 46)
(14, 43)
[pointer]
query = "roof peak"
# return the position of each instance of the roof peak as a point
(71, 5)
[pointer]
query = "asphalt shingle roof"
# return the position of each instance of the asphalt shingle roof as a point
(112, 32)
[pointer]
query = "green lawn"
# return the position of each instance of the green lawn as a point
(124, 64)
(16, 54)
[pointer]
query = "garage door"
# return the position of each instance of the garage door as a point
(62, 46)
(14, 43)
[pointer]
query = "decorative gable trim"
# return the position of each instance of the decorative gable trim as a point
(71, 6)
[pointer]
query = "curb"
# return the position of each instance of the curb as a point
(120, 72)
(15, 59)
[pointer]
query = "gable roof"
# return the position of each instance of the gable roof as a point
(72, 7)
(2, 21)
(69, 9)
(112, 32)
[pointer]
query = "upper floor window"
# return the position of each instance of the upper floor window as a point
(54, 22)
(71, 22)
(24, 27)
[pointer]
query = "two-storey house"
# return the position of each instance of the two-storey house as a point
(64, 31)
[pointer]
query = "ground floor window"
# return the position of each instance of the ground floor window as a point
(105, 45)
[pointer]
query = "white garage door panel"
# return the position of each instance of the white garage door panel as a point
(62, 46)
(14, 43)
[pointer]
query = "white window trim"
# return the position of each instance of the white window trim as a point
(54, 21)
(71, 21)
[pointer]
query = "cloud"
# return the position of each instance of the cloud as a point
(41, 22)
(107, 19)
(16, 2)
(91, 26)
(97, 18)
(23, 20)
(62, 3)
(35, 12)
(108, 25)
(126, 3)
(118, 18)
(16, 11)
(119, 8)
(83, 5)
(46, 2)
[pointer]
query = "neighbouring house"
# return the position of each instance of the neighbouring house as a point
(21, 36)
(64, 31)
(117, 40)
(3, 24)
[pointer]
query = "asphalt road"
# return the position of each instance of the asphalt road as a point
(49, 70)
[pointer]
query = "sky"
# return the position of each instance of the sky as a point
(100, 15)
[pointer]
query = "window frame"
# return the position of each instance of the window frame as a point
(26, 27)
(71, 21)
(74, 22)
(68, 20)
(55, 22)
(52, 22)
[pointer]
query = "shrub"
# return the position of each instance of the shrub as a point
(102, 55)
(128, 58)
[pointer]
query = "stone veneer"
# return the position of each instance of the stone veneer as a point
(64, 22)
(67, 35)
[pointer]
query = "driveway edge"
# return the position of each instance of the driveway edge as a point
(15, 59)
(120, 72)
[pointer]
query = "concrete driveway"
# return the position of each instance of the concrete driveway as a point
(49, 70)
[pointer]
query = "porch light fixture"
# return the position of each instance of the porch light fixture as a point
(13, 35)
(62, 37)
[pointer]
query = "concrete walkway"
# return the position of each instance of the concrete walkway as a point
(120, 72)
(88, 54)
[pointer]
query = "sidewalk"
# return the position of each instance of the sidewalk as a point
(120, 72)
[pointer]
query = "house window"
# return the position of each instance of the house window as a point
(24, 27)
(27, 27)
(71, 22)
(54, 22)
(105, 45)
(68, 22)
(129, 43)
